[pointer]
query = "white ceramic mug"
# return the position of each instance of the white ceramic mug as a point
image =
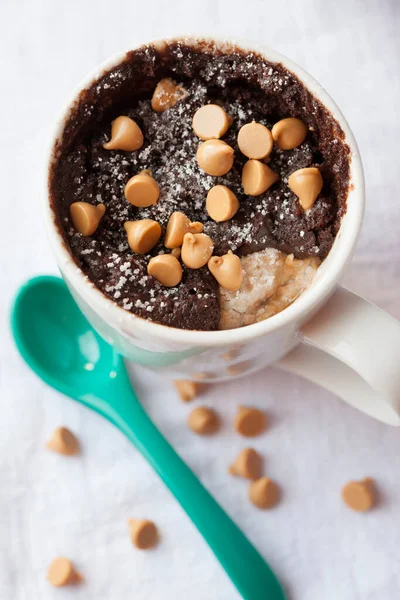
(328, 335)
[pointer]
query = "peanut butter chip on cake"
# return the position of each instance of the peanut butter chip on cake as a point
(215, 157)
(142, 190)
(210, 121)
(125, 135)
(221, 203)
(250, 421)
(227, 270)
(143, 235)
(178, 225)
(257, 177)
(86, 217)
(166, 95)
(196, 250)
(264, 493)
(61, 572)
(64, 441)
(186, 389)
(255, 140)
(360, 495)
(248, 464)
(307, 185)
(289, 133)
(144, 534)
(166, 269)
(204, 421)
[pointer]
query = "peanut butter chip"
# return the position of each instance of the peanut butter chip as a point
(166, 269)
(178, 226)
(255, 140)
(61, 572)
(176, 252)
(144, 534)
(63, 441)
(250, 421)
(210, 121)
(289, 133)
(125, 135)
(227, 270)
(86, 217)
(257, 177)
(196, 250)
(166, 94)
(215, 157)
(306, 184)
(248, 464)
(264, 493)
(142, 190)
(360, 495)
(143, 235)
(203, 420)
(221, 203)
(186, 389)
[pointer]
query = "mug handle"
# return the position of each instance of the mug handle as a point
(352, 348)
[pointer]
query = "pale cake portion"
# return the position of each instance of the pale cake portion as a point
(271, 281)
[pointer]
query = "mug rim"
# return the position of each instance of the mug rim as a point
(328, 274)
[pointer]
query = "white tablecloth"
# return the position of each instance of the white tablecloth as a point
(79, 507)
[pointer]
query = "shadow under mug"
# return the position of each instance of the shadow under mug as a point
(328, 335)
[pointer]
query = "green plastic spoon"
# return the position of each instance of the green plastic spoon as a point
(59, 344)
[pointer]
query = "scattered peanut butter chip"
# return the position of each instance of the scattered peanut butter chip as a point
(227, 270)
(264, 493)
(306, 184)
(210, 121)
(289, 133)
(221, 203)
(257, 177)
(166, 94)
(64, 441)
(125, 135)
(186, 389)
(203, 420)
(215, 157)
(360, 495)
(196, 250)
(142, 235)
(166, 269)
(61, 572)
(142, 190)
(248, 464)
(178, 225)
(86, 217)
(255, 140)
(250, 421)
(176, 252)
(144, 534)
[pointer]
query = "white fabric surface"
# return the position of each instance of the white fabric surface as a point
(79, 507)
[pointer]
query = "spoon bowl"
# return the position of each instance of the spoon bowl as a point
(57, 341)
(60, 345)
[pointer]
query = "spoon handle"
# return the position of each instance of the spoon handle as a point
(244, 565)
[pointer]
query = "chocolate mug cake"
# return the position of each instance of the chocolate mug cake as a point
(199, 189)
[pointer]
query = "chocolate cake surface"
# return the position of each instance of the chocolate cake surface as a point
(250, 89)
